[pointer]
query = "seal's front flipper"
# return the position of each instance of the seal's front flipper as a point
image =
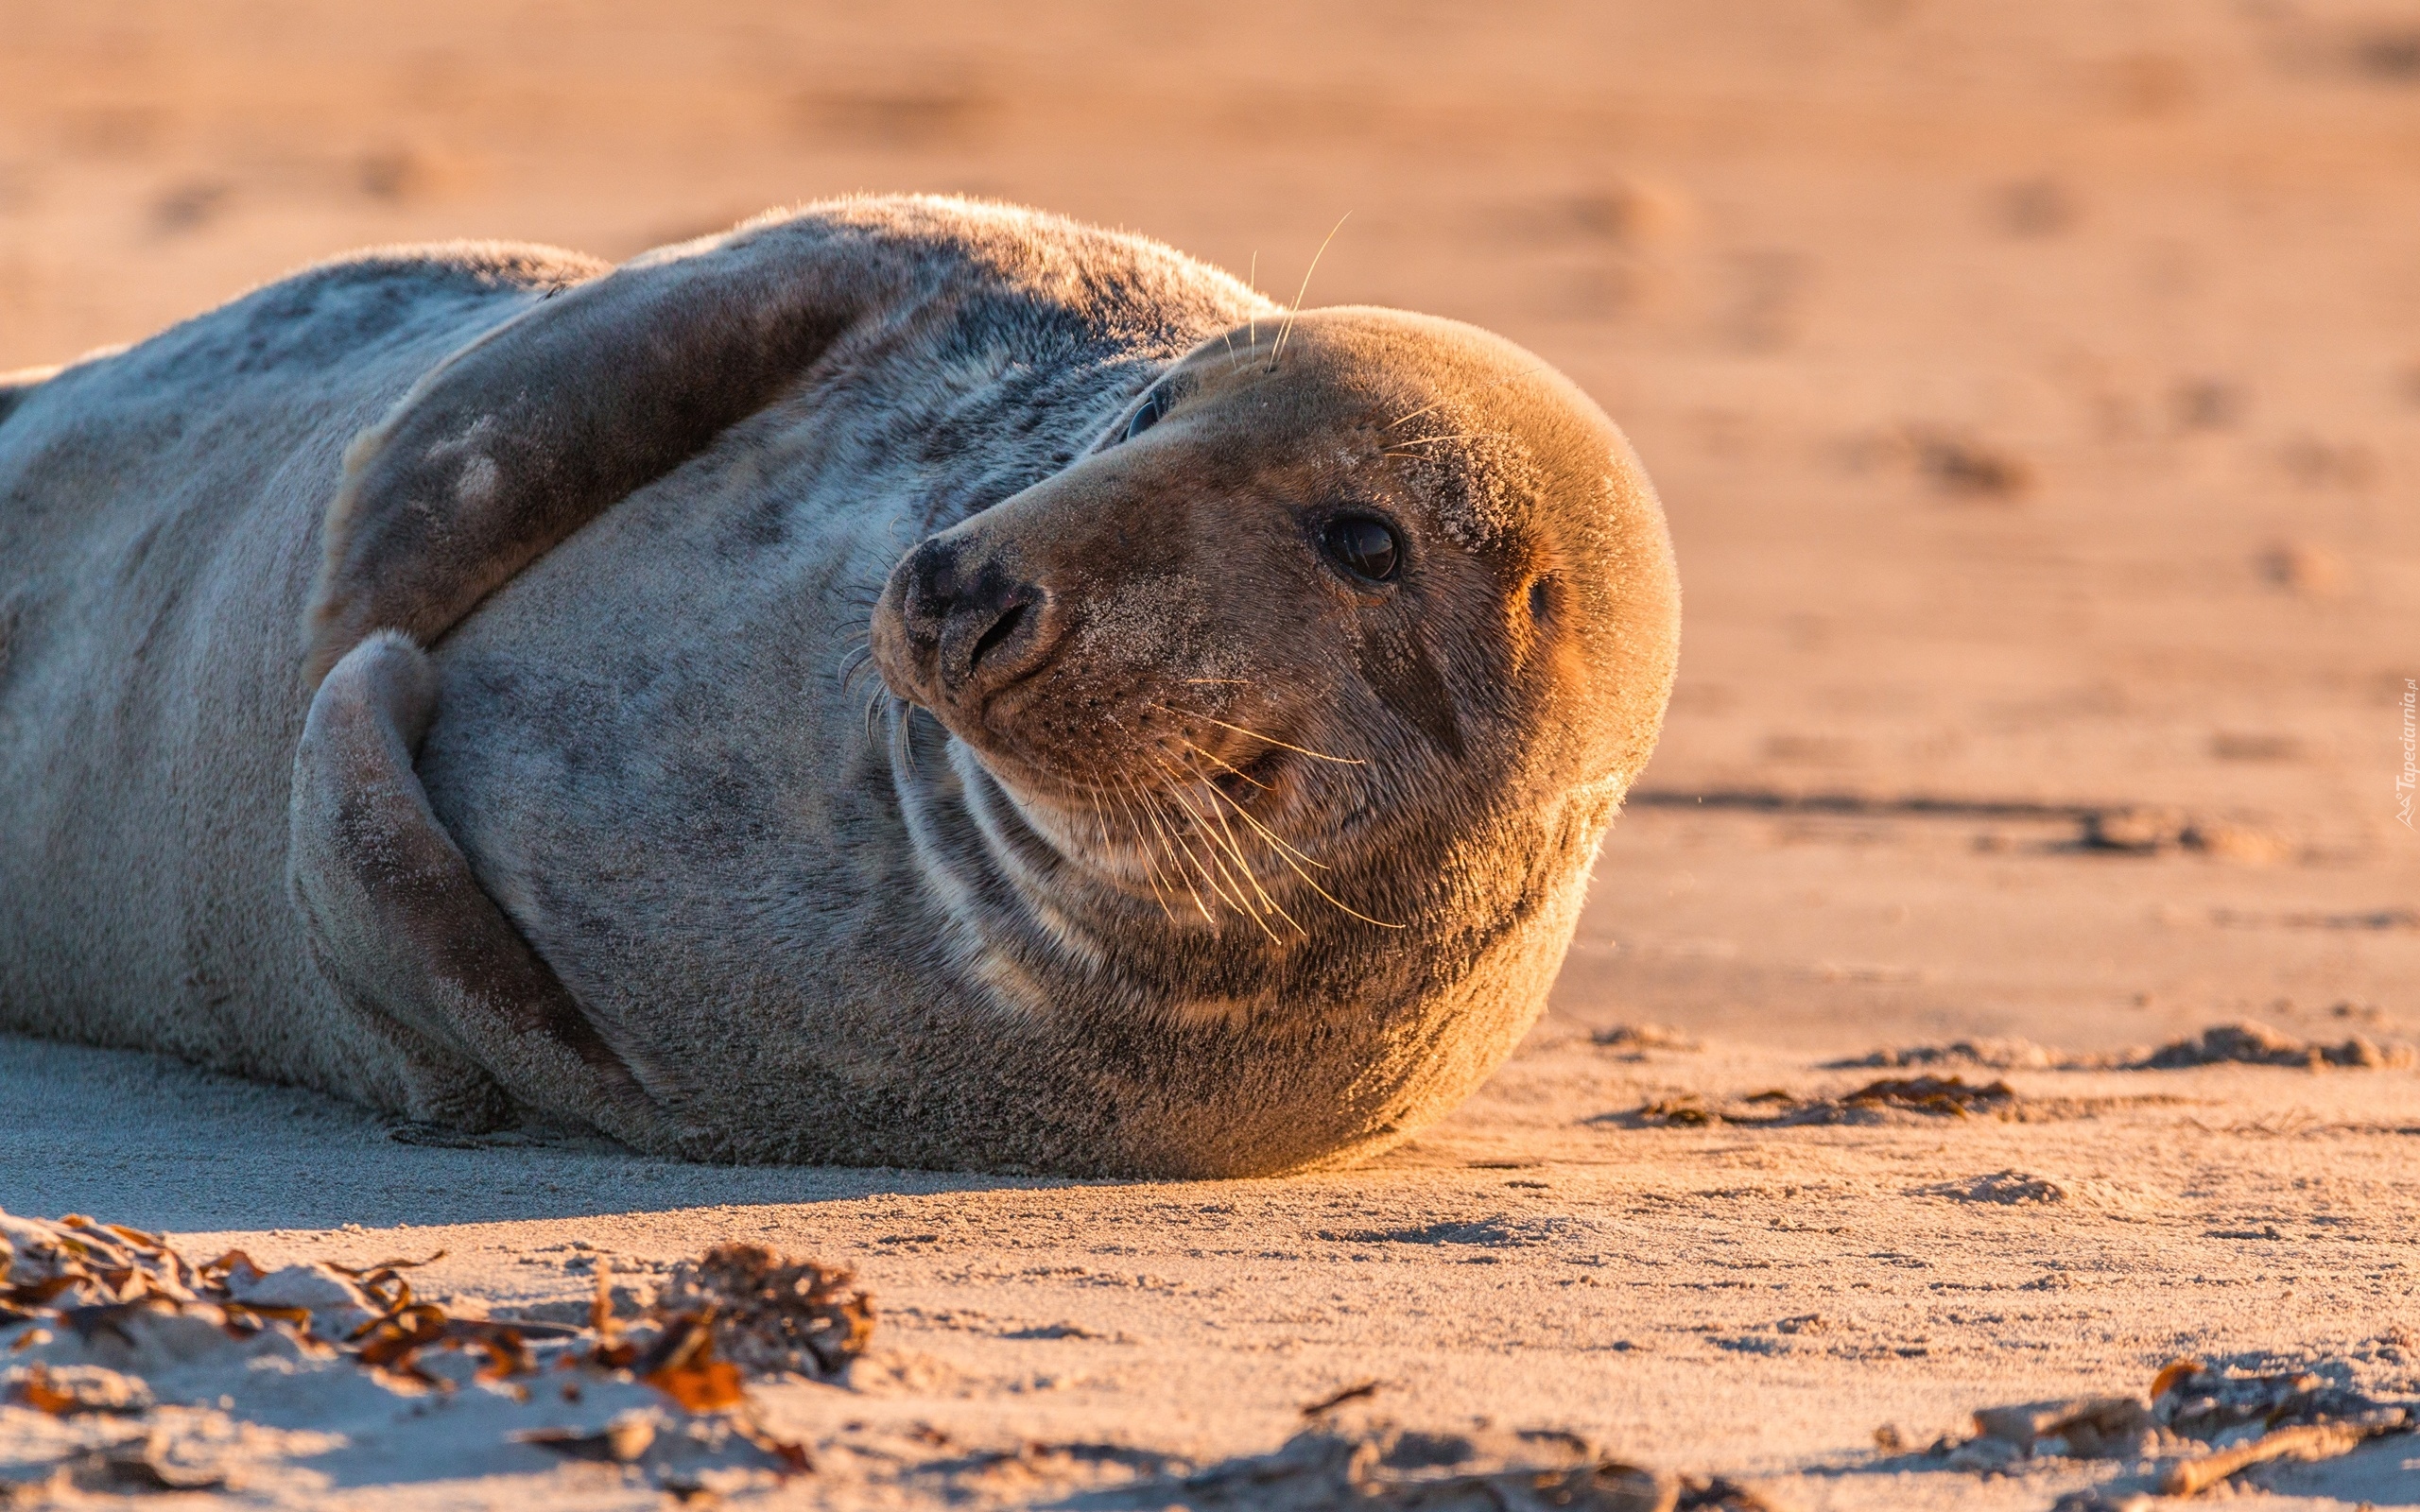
(521, 437)
(402, 930)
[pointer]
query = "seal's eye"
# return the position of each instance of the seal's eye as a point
(1154, 408)
(1363, 545)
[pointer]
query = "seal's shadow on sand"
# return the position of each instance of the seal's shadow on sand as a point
(144, 1139)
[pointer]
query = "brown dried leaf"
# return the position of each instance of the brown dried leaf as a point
(384, 1265)
(791, 1457)
(2174, 1374)
(2091, 1427)
(1358, 1391)
(1687, 1111)
(1953, 1096)
(221, 1271)
(508, 1356)
(37, 1392)
(381, 1282)
(248, 1318)
(687, 1339)
(386, 1341)
(620, 1356)
(711, 1385)
(619, 1442)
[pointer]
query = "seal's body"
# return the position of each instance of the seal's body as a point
(909, 682)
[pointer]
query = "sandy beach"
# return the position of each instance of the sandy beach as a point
(2035, 395)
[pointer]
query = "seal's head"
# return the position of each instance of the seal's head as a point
(1321, 615)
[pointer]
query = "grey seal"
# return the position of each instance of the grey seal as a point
(907, 681)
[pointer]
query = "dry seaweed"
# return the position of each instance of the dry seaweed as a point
(2256, 1044)
(1634, 1040)
(1358, 1391)
(63, 1391)
(682, 1364)
(2206, 1425)
(2193, 1476)
(737, 1309)
(1875, 1102)
(1385, 1468)
(2245, 1042)
(1990, 1055)
(771, 1313)
(1687, 1111)
(619, 1442)
(1951, 1096)
(1389, 1468)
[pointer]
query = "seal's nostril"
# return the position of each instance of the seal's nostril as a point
(1001, 629)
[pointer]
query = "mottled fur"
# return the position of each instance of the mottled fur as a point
(618, 844)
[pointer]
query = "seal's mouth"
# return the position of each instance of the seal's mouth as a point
(1242, 782)
(1030, 742)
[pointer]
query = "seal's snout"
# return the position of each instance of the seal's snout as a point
(957, 624)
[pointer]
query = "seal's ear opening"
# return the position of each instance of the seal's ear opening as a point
(404, 931)
(518, 439)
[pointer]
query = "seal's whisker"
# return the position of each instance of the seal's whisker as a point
(1252, 321)
(1303, 750)
(1243, 905)
(1527, 372)
(1457, 436)
(1286, 329)
(1287, 853)
(1243, 864)
(1234, 848)
(1266, 832)
(1101, 821)
(1151, 854)
(1108, 843)
(1235, 771)
(1158, 825)
(902, 746)
(1312, 883)
(1143, 841)
(1167, 835)
(1214, 870)
(1150, 864)
(855, 664)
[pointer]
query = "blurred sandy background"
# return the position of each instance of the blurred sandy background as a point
(2036, 393)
